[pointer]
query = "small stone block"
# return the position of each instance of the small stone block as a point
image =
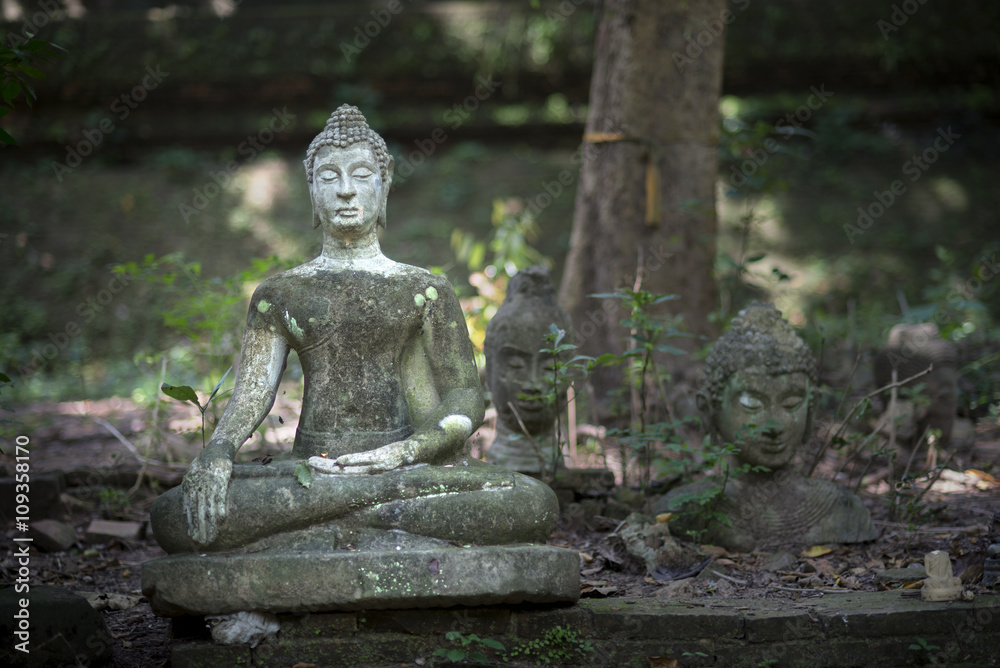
(52, 536)
(100, 530)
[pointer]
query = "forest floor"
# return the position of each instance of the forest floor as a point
(953, 514)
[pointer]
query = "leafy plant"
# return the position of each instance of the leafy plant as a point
(208, 312)
(19, 63)
(187, 393)
(562, 372)
(649, 332)
(559, 645)
(467, 647)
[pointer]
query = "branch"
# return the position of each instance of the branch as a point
(857, 406)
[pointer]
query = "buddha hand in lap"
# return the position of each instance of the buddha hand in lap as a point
(391, 394)
(758, 397)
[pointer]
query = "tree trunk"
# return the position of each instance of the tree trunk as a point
(646, 196)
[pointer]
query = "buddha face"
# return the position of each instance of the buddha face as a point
(765, 415)
(347, 190)
(516, 372)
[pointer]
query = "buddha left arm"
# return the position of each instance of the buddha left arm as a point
(443, 383)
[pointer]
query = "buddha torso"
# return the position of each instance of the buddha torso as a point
(355, 331)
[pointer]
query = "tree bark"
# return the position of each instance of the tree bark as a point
(646, 196)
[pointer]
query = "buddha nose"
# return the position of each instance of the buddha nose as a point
(773, 428)
(346, 189)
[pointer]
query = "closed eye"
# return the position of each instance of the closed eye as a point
(791, 403)
(750, 403)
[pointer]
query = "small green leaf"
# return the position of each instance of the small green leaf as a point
(4, 378)
(6, 138)
(489, 642)
(181, 393)
(756, 257)
(304, 475)
(455, 655)
(478, 657)
(216, 390)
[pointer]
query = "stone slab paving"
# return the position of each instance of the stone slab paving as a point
(844, 629)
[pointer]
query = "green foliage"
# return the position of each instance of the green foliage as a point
(559, 645)
(467, 647)
(19, 63)
(649, 333)
(303, 474)
(206, 311)
(113, 501)
(562, 372)
(185, 393)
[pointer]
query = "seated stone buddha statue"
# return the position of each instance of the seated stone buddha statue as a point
(391, 393)
(758, 396)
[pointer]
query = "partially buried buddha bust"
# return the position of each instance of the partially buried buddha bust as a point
(758, 396)
(391, 395)
(515, 367)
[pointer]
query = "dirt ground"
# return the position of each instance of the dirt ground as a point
(954, 514)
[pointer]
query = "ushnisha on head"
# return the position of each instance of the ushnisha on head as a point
(760, 370)
(347, 126)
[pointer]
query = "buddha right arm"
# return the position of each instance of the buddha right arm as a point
(206, 482)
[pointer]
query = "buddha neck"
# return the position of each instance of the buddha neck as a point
(345, 250)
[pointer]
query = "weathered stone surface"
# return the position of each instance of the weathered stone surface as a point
(758, 395)
(941, 583)
(52, 536)
(515, 372)
(101, 530)
(315, 581)
(46, 487)
(910, 350)
(861, 629)
(63, 629)
(908, 574)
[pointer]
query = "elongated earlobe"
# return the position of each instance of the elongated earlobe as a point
(386, 187)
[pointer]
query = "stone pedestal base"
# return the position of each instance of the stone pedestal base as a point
(316, 581)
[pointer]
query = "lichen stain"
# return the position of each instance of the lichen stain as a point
(431, 293)
(262, 306)
(419, 300)
(294, 326)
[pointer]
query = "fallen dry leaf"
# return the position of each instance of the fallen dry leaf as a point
(817, 551)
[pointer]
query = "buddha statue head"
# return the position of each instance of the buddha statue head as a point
(347, 132)
(514, 337)
(758, 388)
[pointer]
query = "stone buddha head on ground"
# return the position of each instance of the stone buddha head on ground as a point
(758, 388)
(514, 366)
